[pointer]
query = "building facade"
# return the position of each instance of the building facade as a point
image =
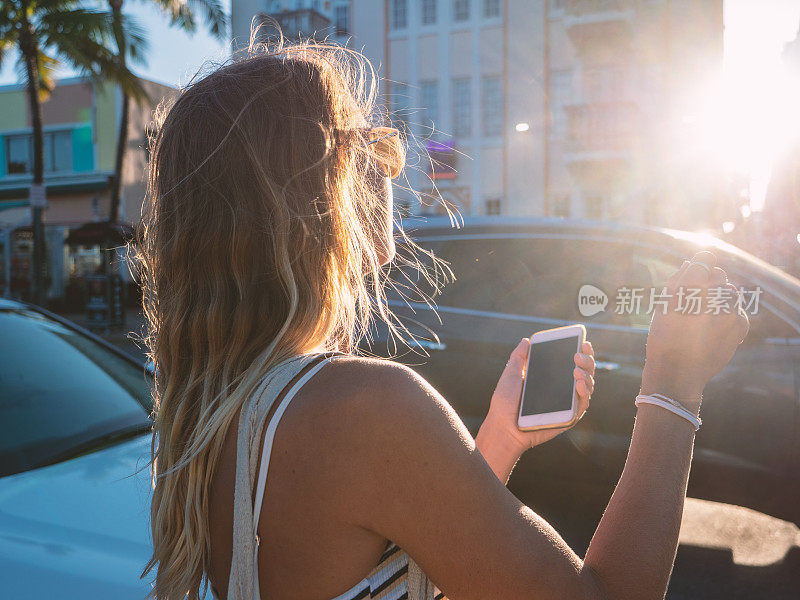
(776, 232)
(566, 108)
(321, 19)
(80, 121)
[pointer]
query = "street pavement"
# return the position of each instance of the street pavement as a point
(726, 552)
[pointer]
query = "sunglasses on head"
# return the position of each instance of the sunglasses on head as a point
(386, 148)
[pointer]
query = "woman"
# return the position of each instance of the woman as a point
(263, 251)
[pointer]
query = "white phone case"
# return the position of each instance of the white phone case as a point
(558, 419)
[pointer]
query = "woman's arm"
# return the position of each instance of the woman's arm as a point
(409, 470)
(683, 353)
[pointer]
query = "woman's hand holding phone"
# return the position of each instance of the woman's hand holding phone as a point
(500, 440)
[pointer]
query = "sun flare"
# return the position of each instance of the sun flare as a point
(745, 118)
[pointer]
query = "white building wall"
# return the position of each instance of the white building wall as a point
(242, 13)
(524, 57)
(528, 46)
(442, 52)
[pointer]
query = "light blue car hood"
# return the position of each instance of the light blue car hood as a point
(78, 529)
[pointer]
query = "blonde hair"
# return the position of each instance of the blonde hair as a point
(260, 239)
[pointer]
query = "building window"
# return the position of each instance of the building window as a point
(462, 107)
(456, 198)
(399, 14)
(19, 154)
(609, 83)
(341, 19)
(560, 206)
(655, 86)
(492, 100)
(561, 95)
(461, 10)
(399, 102)
(491, 9)
(429, 92)
(494, 206)
(594, 207)
(443, 159)
(57, 153)
(428, 12)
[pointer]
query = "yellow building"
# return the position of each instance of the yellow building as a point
(80, 137)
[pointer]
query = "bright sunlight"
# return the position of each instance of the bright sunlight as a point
(744, 119)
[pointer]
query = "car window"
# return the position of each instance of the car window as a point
(760, 303)
(542, 277)
(628, 274)
(60, 389)
(414, 276)
(639, 267)
(535, 277)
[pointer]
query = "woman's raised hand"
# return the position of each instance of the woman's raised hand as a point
(685, 349)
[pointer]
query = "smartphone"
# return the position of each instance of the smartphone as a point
(548, 397)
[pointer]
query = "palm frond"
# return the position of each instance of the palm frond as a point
(5, 46)
(215, 16)
(9, 31)
(46, 67)
(9, 34)
(100, 63)
(179, 13)
(45, 6)
(184, 14)
(74, 22)
(135, 36)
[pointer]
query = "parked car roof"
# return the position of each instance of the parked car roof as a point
(498, 224)
(685, 241)
(6, 304)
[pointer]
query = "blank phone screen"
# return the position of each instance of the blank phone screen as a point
(549, 380)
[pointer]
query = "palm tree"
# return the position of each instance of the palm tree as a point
(182, 15)
(47, 33)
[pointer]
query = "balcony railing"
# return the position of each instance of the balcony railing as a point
(592, 22)
(601, 131)
(590, 7)
(294, 24)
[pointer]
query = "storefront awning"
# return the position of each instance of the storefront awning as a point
(100, 233)
(14, 214)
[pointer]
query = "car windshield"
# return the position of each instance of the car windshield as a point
(62, 393)
(752, 264)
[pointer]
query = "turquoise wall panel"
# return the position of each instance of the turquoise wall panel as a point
(2, 156)
(82, 149)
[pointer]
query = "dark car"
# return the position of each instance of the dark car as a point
(518, 276)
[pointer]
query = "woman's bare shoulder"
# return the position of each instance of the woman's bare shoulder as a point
(374, 388)
(355, 403)
(361, 425)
